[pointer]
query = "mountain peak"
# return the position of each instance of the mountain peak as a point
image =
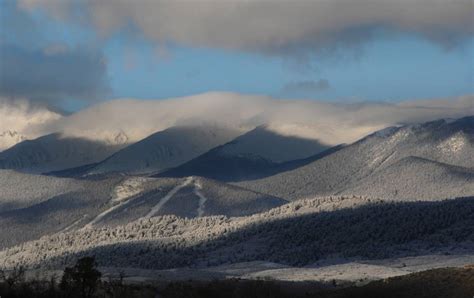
(9, 138)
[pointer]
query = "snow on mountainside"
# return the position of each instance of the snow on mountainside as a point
(45, 204)
(9, 138)
(258, 153)
(299, 233)
(414, 178)
(166, 149)
(19, 121)
(20, 190)
(56, 152)
(447, 142)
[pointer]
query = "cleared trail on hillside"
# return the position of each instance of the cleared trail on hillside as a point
(124, 193)
(168, 197)
(202, 198)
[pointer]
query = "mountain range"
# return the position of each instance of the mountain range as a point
(442, 148)
(209, 195)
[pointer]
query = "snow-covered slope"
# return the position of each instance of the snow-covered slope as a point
(32, 206)
(414, 178)
(188, 197)
(55, 152)
(166, 149)
(258, 153)
(447, 142)
(299, 233)
(19, 190)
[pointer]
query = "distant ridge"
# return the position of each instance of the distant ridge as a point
(446, 142)
(165, 149)
(54, 152)
(256, 154)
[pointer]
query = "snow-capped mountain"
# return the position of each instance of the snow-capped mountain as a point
(260, 152)
(446, 142)
(166, 149)
(19, 121)
(402, 191)
(56, 152)
(9, 138)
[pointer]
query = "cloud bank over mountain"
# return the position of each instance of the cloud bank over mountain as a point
(20, 121)
(329, 122)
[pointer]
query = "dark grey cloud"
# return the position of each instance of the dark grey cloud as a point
(35, 68)
(274, 27)
(17, 26)
(51, 74)
(306, 87)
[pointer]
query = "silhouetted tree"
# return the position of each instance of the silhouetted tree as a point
(83, 277)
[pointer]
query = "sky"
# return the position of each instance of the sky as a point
(71, 54)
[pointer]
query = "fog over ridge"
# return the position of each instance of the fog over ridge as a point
(329, 122)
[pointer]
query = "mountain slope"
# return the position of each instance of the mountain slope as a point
(414, 178)
(258, 153)
(20, 190)
(54, 152)
(45, 204)
(449, 142)
(298, 233)
(265, 143)
(165, 149)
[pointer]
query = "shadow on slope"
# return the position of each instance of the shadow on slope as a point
(446, 142)
(374, 231)
(41, 219)
(436, 283)
(236, 168)
(54, 214)
(77, 172)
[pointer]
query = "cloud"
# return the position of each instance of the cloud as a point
(331, 123)
(37, 68)
(305, 87)
(52, 74)
(272, 27)
(19, 121)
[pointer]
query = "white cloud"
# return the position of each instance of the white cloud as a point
(19, 121)
(331, 123)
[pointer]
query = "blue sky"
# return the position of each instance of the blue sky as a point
(387, 70)
(134, 63)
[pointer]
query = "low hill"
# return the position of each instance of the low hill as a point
(48, 204)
